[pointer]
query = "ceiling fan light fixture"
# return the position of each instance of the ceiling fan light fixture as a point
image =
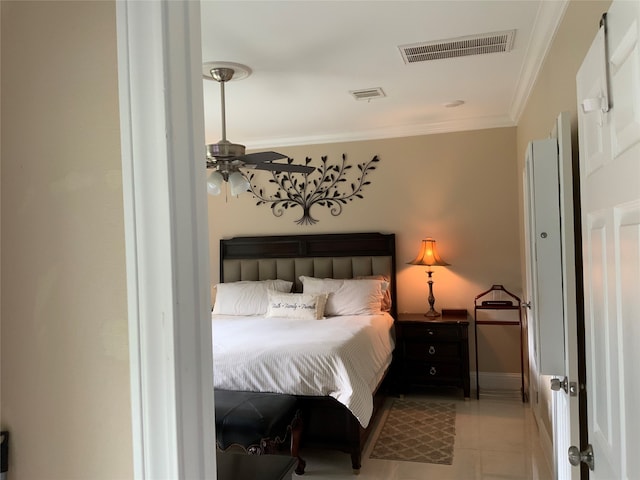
(238, 183)
(214, 183)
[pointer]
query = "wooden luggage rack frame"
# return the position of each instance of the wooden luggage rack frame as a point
(512, 303)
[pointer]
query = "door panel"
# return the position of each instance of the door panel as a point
(601, 340)
(625, 78)
(594, 139)
(627, 219)
(610, 200)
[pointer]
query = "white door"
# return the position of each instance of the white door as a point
(609, 141)
(551, 283)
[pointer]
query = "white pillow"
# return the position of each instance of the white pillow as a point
(246, 297)
(386, 291)
(318, 285)
(309, 306)
(348, 296)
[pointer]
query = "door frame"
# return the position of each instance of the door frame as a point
(580, 325)
(166, 235)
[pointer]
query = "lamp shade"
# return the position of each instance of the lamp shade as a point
(214, 183)
(428, 254)
(238, 183)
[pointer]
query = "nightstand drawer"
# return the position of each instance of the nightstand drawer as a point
(417, 350)
(424, 372)
(432, 331)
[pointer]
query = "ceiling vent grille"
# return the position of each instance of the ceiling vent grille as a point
(458, 47)
(368, 93)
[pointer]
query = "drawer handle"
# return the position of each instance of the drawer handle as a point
(432, 350)
(430, 332)
(432, 371)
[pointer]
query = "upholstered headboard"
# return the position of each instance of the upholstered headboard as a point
(339, 255)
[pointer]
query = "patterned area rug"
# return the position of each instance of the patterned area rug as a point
(417, 431)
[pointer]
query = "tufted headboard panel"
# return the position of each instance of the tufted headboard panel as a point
(348, 255)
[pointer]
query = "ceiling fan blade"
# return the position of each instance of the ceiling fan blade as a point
(259, 157)
(284, 167)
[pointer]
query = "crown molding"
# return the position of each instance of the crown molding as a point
(545, 27)
(477, 123)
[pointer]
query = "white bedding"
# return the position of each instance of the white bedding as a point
(343, 357)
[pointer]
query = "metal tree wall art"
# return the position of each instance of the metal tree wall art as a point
(327, 186)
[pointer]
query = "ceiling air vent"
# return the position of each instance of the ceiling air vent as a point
(458, 47)
(368, 93)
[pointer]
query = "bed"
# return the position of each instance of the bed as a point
(351, 354)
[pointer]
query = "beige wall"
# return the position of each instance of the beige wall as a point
(555, 88)
(65, 372)
(460, 188)
(555, 92)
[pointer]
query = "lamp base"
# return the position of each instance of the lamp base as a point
(432, 300)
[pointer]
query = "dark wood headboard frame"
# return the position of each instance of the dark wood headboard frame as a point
(310, 246)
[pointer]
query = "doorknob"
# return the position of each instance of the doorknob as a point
(557, 384)
(586, 456)
(569, 387)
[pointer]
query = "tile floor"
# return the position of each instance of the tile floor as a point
(496, 438)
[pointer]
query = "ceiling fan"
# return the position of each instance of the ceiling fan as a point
(226, 158)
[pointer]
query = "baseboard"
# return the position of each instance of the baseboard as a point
(498, 382)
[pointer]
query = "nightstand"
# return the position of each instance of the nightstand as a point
(433, 351)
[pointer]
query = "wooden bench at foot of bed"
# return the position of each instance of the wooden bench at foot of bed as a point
(258, 422)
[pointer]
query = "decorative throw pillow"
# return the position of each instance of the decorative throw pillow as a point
(309, 306)
(246, 297)
(347, 296)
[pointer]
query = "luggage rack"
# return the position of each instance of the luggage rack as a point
(506, 301)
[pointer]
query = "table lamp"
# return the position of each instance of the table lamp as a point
(429, 256)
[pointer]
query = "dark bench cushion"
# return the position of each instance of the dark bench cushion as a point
(247, 418)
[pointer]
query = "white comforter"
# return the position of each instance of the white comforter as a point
(343, 357)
